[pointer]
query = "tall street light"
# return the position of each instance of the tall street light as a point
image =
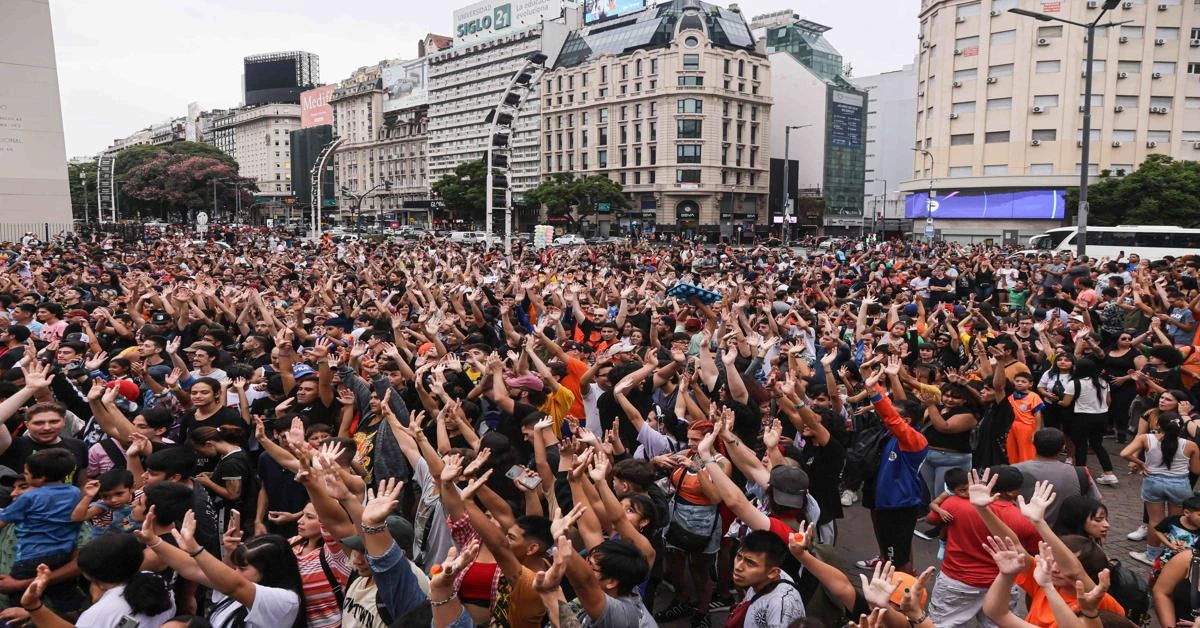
(1081, 219)
(929, 198)
(787, 148)
(83, 180)
(358, 199)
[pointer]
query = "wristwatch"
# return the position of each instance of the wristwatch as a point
(918, 621)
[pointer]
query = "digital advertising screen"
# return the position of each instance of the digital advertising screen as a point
(988, 205)
(596, 10)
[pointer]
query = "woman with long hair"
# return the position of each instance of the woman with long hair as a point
(1083, 516)
(112, 564)
(256, 586)
(232, 481)
(1091, 420)
(1120, 363)
(209, 410)
(1167, 462)
(949, 434)
(1057, 388)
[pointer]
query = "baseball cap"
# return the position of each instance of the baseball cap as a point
(789, 486)
(528, 381)
(400, 529)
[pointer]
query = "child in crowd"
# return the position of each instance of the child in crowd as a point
(1177, 533)
(113, 512)
(1027, 419)
(956, 485)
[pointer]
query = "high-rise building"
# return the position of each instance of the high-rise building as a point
(891, 114)
(259, 139)
(1000, 107)
(827, 117)
(673, 103)
(279, 77)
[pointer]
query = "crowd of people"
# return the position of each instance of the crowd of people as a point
(275, 432)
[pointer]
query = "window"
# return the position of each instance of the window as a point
(1132, 32)
(1003, 37)
(653, 109)
(1045, 135)
(1168, 33)
(1093, 169)
(968, 10)
(1049, 31)
(1005, 69)
(688, 129)
(1163, 67)
(998, 104)
(968, 74)
(1094, 135)
(1129, 67)
(583, 138)
(1124, 135)
(691, 81)
(624, 71)
(637, 67)
(624, 158)
(637, 111)
(653, 131)
(624, 134)
(1049, 67)
(654, 66)
(1046, 100)
(653, 160)
(995, 171)
(959, 171)
(741, 68)
(602, 158)
(1003, 5)
(1041, 169)
(604, 74)
(687, 176)
(1161, 101)
(687, 153)
(624, 112)
(604, 115)
(602, 136)
(962, 139)
(1097, 100)
(1162, 137)
(963, 107)
(962, 43)
(1128, 102)
(691, 105)
(1193, 68)
(637, 156)
(1191, 103)
(1097, 66)
(691, 62)
(995, 137)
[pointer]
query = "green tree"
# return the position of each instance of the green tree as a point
(88, 168)
(131, 158)
(576, 198)
(1162, 191)
(174, 185)
(464, 191)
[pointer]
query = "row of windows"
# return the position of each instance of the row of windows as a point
(690, 62)
(1046, 101)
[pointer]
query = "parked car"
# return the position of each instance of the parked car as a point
(468, 237)
(569, 239)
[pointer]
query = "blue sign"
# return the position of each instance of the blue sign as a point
(982, 205)
(596, 10)
(846, 120)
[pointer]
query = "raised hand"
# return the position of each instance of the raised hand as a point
(445, 574)
(560, 525)
(32, 597)
(38, 377)
(185, 534)
(481, 459)
(548, 581)
(1089, 601)
(1035, 509)
(381, 502)
(979, 488)
(879, 589)
(476, 484)
(452, 467)
(1009, 556)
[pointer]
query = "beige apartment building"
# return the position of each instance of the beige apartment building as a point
(1000, 101)
(259, 138)
(672, 102)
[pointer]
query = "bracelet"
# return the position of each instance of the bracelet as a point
(160, 542)
(36, 608)
(1086, 616)
(196, 553)
(374, 529)
(453, 596)
(918, 621)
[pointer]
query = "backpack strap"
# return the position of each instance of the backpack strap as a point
(333, 581)
(114, 453)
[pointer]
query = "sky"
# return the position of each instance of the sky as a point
(124, 65)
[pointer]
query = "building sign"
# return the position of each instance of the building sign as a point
(1051, 7)
(603, 208)
(687, 210)
(1022, 204)
(846, 120)
(315, 109)
(596, 10)
(404, 85)
(492, 18)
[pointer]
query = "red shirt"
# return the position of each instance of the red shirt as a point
(965, 559)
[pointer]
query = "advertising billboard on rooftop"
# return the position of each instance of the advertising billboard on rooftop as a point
(596, 10)
(404, 85)
(315, 109)
(492, 18)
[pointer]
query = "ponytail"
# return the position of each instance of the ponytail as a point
(1169, 427)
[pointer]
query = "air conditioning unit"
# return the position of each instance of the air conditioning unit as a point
(924, 44)
(1156, 75)
(1195, 145)
(1122, 75)
(1162, 7)
(1195, 43)
(954, 116)
(958, 52)
(1043, 41)
(1093, 4)
(1116, 143)
(1038, 109)
(920, 35)
(1152, 144)
(956, 84)
(920, 94)
(1127, 5)
(993, 80)
(1160, 42)
(1123, 40)
(1119, 108)
(1155, 110)
(1035, 143)
(996, 13)
(1079, 143)
(1083, 74)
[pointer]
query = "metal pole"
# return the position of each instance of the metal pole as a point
(1081, 235)
(488, 193)
(83, 179)
(874, 226)
(508, 220)
(214, 216)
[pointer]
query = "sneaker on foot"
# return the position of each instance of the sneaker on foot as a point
(719, 604)
(701, 621)
(675, 611)
(931, 534)
(1138, 534)
(868, 564)
(1108, 479)
(1142, 557)
(848, 498)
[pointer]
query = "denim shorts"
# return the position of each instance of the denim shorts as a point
(1166, 489)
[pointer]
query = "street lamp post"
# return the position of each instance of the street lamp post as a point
(875, 214)
(1086, 144)
(358, 199)
(929, 231)
(83, 181)
(787, 149)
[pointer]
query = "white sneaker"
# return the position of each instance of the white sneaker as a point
(1138, 534)
(849, 497)
(1108, 479)
(1142, 557)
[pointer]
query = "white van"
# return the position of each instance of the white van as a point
(468, 237)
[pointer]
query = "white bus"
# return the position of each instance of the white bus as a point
(1148, 241)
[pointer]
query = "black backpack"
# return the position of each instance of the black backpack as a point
(862, 456)
(1131, 591)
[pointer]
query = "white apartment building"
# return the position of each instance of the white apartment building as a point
(891, 119)
(258, 138)
(1000, 106)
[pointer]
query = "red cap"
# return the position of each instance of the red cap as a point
(126, 388)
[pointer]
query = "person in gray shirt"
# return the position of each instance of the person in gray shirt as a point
(1045, 465)
(608, 593)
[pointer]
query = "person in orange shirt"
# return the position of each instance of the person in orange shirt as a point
(1049, 588)
(1027, 419)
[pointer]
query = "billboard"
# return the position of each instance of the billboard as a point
(984, 205)
(491, 18)
(596, 10)
(315, 109)
(404, 85)
(846, 119)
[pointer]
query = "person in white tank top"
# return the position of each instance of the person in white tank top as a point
(1165, 484)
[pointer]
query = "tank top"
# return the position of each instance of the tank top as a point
(960, 442)
(689, 490)
(1118, 365)
(1154, 457)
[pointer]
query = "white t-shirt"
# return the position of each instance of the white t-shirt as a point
(591, 414)
(920, 285)
(1006, 278)
(111, 608)
(272, 608)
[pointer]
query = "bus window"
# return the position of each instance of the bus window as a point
(1152, 239)
(1052, 239)
(1123, 239)
(1184, 240)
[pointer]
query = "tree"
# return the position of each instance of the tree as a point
(77, 189)
(1162, 191)
(131, 158)
(464, 191)
(180, 184)
(576, 198)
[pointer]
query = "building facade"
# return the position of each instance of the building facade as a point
(827, 116)
(891, 116)
(259, 139)
(672, 102)
(306, 146)
(173, 130)
(1000, 107)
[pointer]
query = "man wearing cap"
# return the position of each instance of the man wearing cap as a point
(967, 569)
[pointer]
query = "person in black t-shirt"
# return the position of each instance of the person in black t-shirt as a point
(13, 339)
(44, 424)
(232, 481)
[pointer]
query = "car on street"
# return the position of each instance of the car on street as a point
(569, 239)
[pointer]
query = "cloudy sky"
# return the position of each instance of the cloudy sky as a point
(126, 64)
